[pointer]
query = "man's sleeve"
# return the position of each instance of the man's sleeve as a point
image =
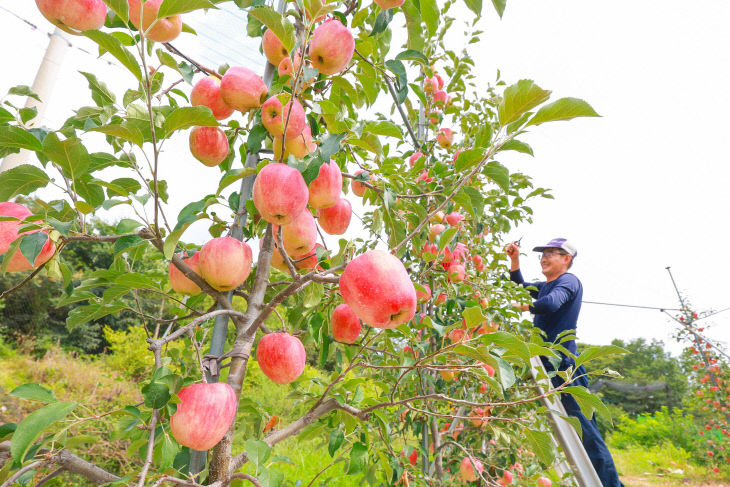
(558, 296)
(516, 277)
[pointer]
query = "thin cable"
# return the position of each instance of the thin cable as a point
(631, 306)
(713, 314)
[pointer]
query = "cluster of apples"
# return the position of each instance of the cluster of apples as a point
(75, 16)
(434, 89)
(10, 231)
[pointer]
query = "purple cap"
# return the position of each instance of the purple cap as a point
(559, 243)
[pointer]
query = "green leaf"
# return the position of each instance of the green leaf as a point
(499, 6)
(412, 55)
(34, 392)
(70, 155)
(184, 117)
(381, 22)
(31, 245)
(519, 98)
(271, 478)
(497, 173)
(388, 129)
(63, 227)
(256, 136)
(234, 175)
(133, 134)
(33, 425)
(100, 93)
(171, 242)
(430, 14)
(447, 237)
(6, 116)
(278, 24)
(331, 144)
(467, 158)
(563, 109)
(358, 458)
(474, 316)
(336, 439)
(541, 444)
(588, 402)
(475, 6)
(505, 373)
(517, 145)
(16, 137)
(174, 7)
(6, 430)
(23, 179)
(258, 452)
(156, 395)
(23, 90)
(511, 343)
(597, 352)
(114, 46)
(120, 7)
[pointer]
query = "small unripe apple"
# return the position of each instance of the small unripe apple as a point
(378, 289)
(280, 193)
(207, 92)
(470, 471)
(9, 232)
(445, 138)
(204, 414)
(325, 189)
(346, 325)
(300, 235)
(434, 230)
(209, 145)
(74, 16)
(544, 482)
(281, 357)
(179, 282)
(274, 116)
(225, 263)
(331, 47)
(242, 89)
(165, 29)
(438, 217)
(274, 50)
(430, 85)
(335, 219)
(422, 296)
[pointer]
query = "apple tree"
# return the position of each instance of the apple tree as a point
(424, 367)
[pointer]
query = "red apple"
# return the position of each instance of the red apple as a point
(430, 85)
(209, 145)
(454, 218)
(345, 324)
(441, 299)
(357, 187)
(335, 219)
(422, 296)
(204, 414)
(207, 92)
(274, 50)
(309, 261)
(445, 138)
(331, 47)
(470, 469)
(434, 116)
(388, 4)
(300, 235)
(434, 230)
(544, 482)
(225, 263)
(164, 30)
(439, 80)
(480, 416)
(274, 117)
(378, 289)
(9, 233)
(457, 335)
(281, 357)
(439, 98)
(456, 273)
(412, 160)
(438, 217)
(325, 190)
(506, 478)
(242, 89)
(280, 193)
(74, 16)
(298, 146)
(179, 282)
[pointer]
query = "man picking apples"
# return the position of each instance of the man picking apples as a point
(556, 308)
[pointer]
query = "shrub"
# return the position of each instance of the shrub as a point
(662, 427)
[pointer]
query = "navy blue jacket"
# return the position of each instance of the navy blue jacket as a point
(556, 306)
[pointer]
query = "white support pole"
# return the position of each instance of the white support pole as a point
(43, 84)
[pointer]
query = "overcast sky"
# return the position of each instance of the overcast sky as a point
(644, 187)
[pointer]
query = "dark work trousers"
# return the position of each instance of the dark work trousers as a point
(592, 440)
